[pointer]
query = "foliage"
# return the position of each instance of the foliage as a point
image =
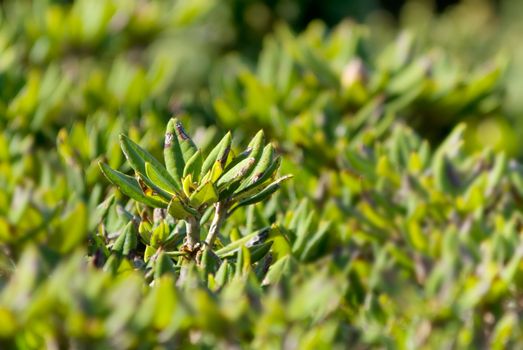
(473, 33)
(395, 232)
(330, 74)
(188, 188)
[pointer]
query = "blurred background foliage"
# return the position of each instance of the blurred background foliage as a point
(402, 226)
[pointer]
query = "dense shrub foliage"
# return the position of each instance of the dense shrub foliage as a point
(143, 193)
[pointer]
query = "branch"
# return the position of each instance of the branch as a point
(193, 232)
(220, 214)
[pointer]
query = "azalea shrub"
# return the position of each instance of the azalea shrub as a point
(159, 191)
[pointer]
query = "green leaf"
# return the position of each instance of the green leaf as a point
(160, 180)
(151, 188)
(256, 251)
(73, 228)
(160, 234)
(177, 209)
(263, 164)
(127, 240)
(445, 175)
(138, 157)
(223, 274)
(256, 145)
(129, 186)
(145, 231)
(209, 262)
(497, 172)
(243, 261)
(204, 194)
(188, 185)
(193, 166)
(239, 170)
(257, 236)
(163, 265)
(174, 161)
(149, 252)
(281, 246)
(213, 174)
(314, 241)
(279, 269)
(219, 153)
(236, 173)
(257, 180)
(234, 160)
(267, 175)
(504, 331)
(263, 194)
(178, 148)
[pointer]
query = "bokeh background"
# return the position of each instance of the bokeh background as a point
(91, 47)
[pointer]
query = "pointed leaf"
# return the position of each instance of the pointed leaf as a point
(178, 148)
(234, 159)
(278, 270)
(163, 265)
(159, 179)
(172, 152)
(262, 171)
(160, 234)
(260, 182)
(145, 230)
(149, 188)
(243, 261)
(221, 276)
(186, 143)
(137, 157)
(213, 174)
(193, 166)
(188, 185)
(263, 194)
(256, 145)
(258, 251)
(149, 251)
(129, 186)
(219, 153)
(205, 194)
(236, 173)
(257, 236)
(127, 240)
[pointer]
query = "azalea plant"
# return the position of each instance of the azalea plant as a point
(401, 228)
(192, 187)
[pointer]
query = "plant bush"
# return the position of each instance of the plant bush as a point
(394, 232)
(191, 187)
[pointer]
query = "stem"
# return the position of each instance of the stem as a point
(193, 231)
(220, 213)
